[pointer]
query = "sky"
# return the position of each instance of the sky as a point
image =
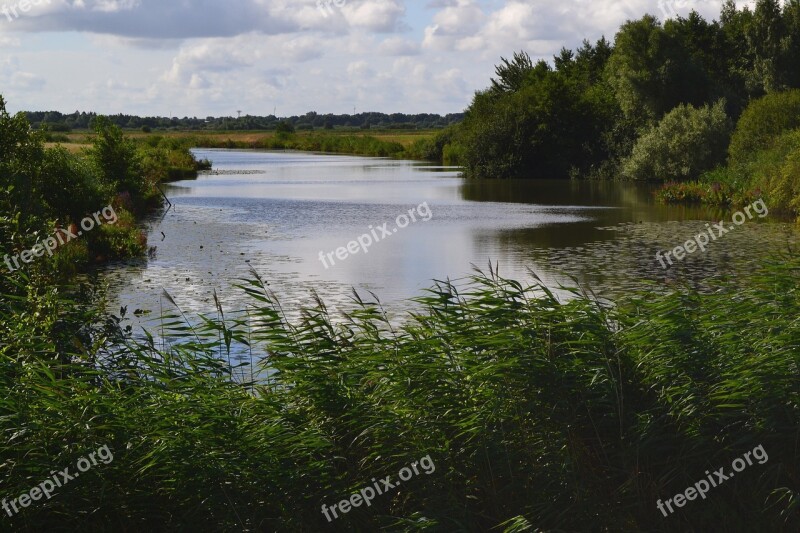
(216, 57)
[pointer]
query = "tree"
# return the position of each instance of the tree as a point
(511, 74)
(116, 159)
(686, 142)
(651, 72)
(763, 121)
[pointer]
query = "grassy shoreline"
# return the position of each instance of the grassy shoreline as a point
(412, 144)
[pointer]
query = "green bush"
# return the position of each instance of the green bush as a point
(762, 122)
(687, 142)
(74, 186)
(776, 171)
(116, 158)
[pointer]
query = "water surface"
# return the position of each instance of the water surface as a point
(276, 211)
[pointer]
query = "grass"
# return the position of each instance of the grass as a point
(538, 414)
(365, 142)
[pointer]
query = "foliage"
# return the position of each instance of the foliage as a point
(44, 188)
(316, 141)
(776, 171)
(572, 416)
(652, 72)
(763, 158)
(583, 114)
(686, 142)
(284, 127)
(84, 120)
(552, 125)
(116, 158)
(511, 74)
(763, 121)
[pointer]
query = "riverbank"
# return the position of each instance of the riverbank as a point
(408, 144)
(51, 197)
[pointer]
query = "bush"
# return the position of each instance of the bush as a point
(116, 158)
(55, 127)
(776, 171)
(687, 142)
(73, 186)
(762, 122)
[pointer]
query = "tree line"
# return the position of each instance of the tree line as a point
(60, 122)
(659, 103)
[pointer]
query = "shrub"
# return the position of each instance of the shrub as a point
(73, 186)
(116, 158)
(687, 142)
(777, 172)
(762, 122)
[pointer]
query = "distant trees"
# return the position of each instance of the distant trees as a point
(600, 109)
(252, 123)
(284, 127)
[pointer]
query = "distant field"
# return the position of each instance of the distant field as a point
(404, 137)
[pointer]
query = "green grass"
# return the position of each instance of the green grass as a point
(537, 414)
(381, 143)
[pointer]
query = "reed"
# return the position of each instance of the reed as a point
(537, 413)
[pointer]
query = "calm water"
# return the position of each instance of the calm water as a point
(276, 211)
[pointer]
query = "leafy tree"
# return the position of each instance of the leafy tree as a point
(511, 75)
(21, 183)
(763, 121)
(116, 159)
(651, 72)
(687, 142)
(766, 39)
(548, 128)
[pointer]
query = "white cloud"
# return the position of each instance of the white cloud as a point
(9, 42)
(204, 57)
(398, 46)
(381, 16)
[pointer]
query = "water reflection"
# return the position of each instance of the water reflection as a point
(275, 211)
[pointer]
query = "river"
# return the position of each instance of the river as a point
(278, 212)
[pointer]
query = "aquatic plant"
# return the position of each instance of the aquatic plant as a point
(568, 415)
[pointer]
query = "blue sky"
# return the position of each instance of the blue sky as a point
(214, 57)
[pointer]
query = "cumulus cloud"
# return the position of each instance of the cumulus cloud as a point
(398, 46)
(204, 57)
(14, 79)
(160, 19)
(375, 15)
